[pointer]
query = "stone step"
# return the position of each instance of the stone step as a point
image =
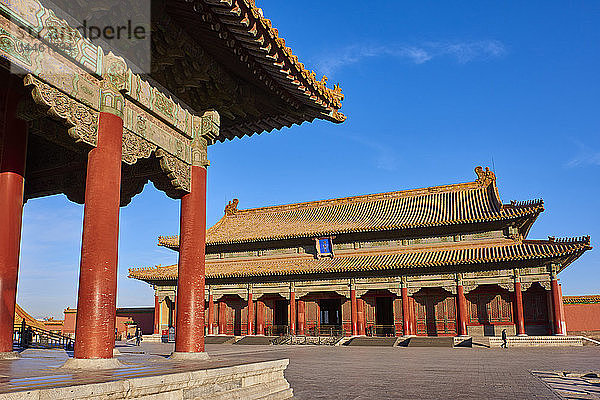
(463, 341)
(154, 338)
(590, 341)
(372, 341)
(315, 340)
(219, 339)
(255, 340)
(426, 341)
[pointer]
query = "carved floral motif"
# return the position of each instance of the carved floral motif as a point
(82, 119)
(135, 147)
(178, 172)
(115, 71)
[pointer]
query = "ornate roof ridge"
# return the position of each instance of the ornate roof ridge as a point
(168, 241)
(480, 182)
(403, 209)
(173, 241)
(247, 25)
(571, 240)
(526, 203)
(578, 240)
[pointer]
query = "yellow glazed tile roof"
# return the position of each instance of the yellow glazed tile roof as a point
(590, 299)
(495, 251)
(470, 202)
(21, 314)
(255, 33)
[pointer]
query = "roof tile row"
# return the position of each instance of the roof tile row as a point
(464, 203)
(390, 260)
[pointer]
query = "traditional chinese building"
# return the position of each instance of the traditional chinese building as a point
(438, 261)
(79, 119)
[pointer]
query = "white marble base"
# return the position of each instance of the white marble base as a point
(9, 355)
(92, 364)
(254, 381)
(188, 356)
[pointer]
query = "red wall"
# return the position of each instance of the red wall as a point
(582, 317)
(143, 317)
(69, 324)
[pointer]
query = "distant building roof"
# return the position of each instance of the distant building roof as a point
(21, 314)
(462, 203)
(590, 299)
(445, 254)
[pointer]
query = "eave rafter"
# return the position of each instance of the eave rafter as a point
(241, 29)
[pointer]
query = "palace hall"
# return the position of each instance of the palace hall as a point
(450, 260)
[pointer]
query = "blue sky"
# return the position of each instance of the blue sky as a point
(433, 89)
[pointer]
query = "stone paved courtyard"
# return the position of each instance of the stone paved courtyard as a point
(322, 372)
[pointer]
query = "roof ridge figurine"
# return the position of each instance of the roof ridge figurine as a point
(231, 207)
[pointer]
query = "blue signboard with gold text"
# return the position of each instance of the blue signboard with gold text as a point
(325, 246)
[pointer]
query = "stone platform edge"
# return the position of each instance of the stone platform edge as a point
(538, 341)
(262, 380)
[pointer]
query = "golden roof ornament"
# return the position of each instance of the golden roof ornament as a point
(231, 207)
(484, 177)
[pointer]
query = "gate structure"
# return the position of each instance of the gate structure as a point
(75, 119)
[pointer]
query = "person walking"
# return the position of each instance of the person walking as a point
(138, 336)
(504, 339)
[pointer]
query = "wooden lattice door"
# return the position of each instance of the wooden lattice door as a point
(435, 315)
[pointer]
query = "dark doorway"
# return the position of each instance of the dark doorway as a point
(384, 316)
(331, 314)
(280, 317)
(237, 305)
(171, 310)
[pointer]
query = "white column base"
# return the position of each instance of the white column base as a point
(10, 355)
(92, 363)
(182, 356)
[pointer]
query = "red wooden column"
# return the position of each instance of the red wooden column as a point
(462, 308)
(260, 317)
(190, 279)
(360, 304)
(96, 301)
(405, 311)
(156, 315)
(13, 148)
(559, 324)
(354, 310)
(550, 307)
(520, 322)
(562, 309)
(412, 317)
(211, 312)
(250, 313)
(292, 311)
(301, 317)
(174, 317)
(222, 317)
